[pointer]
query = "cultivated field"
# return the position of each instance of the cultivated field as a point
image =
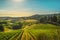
(33, 32)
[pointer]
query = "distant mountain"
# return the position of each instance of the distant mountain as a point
(36, 16)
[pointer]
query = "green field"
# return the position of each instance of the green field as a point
(33, 32)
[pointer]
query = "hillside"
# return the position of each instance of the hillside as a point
(36, 27)
(43, 26)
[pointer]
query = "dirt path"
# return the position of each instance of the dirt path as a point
(24, 35)
(27, 35)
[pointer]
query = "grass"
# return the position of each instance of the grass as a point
(9, 35)
(45, 34)
(33, 32)
(43, 26)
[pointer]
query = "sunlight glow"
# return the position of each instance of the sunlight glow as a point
(7, 13)
(18, 0)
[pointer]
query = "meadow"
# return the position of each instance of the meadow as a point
(33, 32)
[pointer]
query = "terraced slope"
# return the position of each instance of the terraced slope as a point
(33, 32)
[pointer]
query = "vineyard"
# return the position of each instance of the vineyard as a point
(10, 35)
(29, 19)
(31, 34)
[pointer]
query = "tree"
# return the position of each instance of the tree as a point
(17, 25)
(1, 27)
(54, 19)
(43, 19)
(59, 21)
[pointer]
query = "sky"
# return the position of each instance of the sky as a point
(28, 7)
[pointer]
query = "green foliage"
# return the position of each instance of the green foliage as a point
(32, 30)
(17, 25)
(9, 35)
(43, 26)
(54, 18)
(10, 25)
(1, 28)
(48, 34)
(38, 32)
